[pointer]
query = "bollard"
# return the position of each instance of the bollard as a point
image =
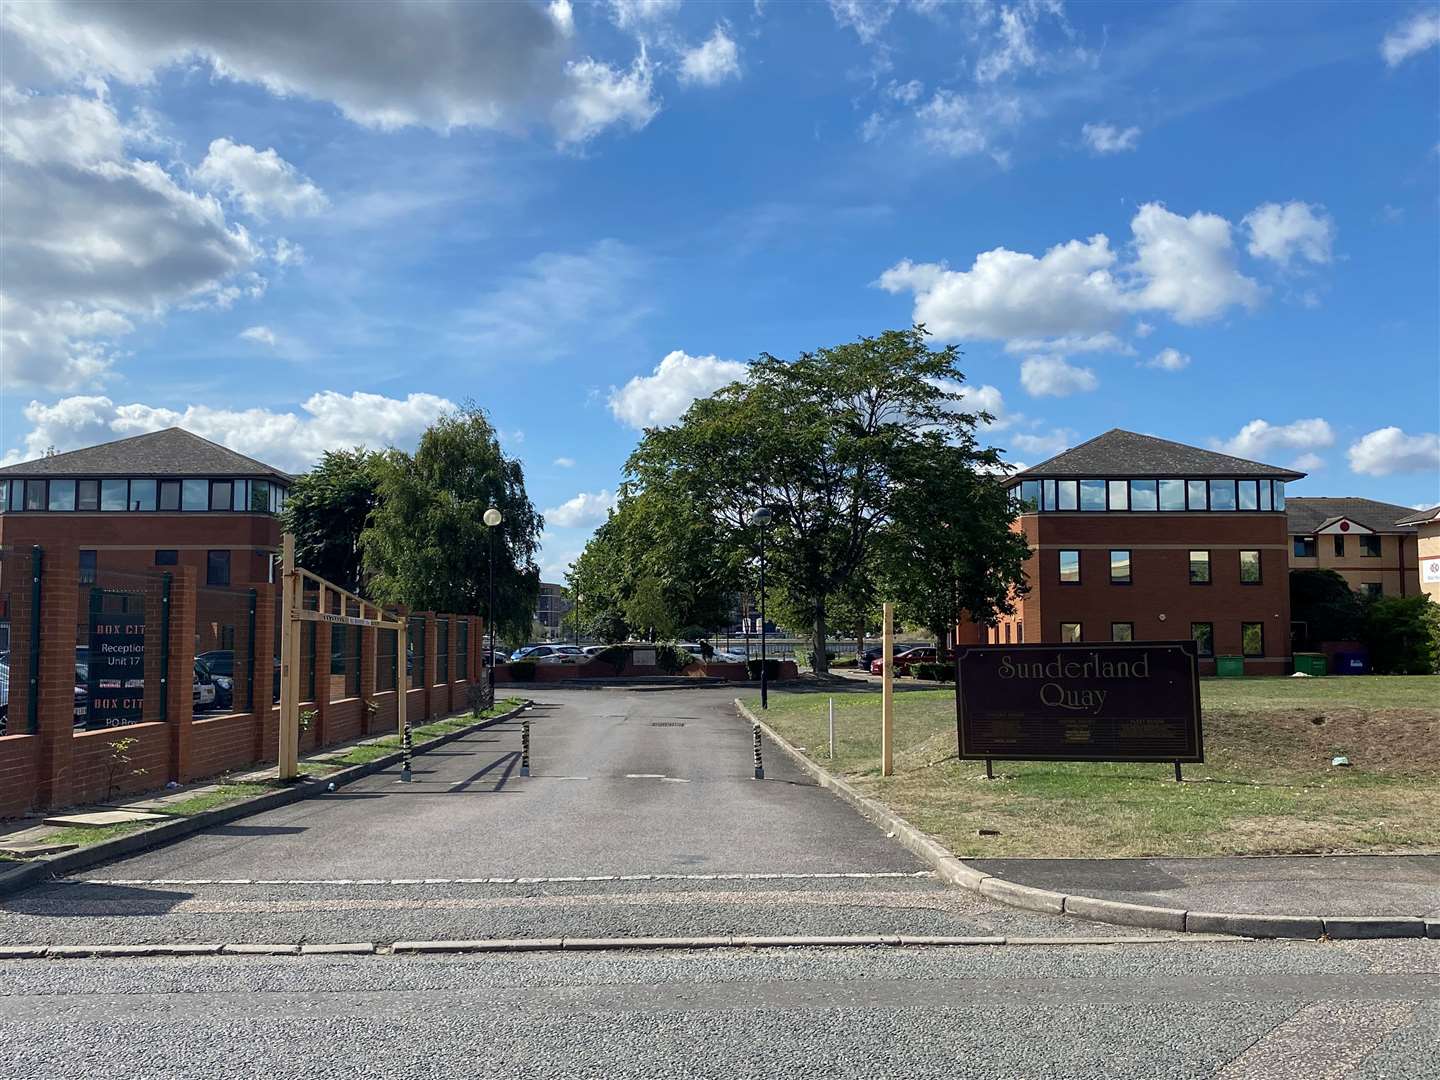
(525, 748)
(405, 761)
(759, 765)
(832, 729)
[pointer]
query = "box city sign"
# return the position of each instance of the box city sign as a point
(115, 680)
(1084, 702)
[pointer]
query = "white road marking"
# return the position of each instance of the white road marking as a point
(846, 875)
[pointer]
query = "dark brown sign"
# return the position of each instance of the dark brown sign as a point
(1101, 701)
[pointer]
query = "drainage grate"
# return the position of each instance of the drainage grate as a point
(665, 723)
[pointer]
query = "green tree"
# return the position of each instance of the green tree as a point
(427, 545)
(824, 442)
(647, 612)
(1402, 635)
(1325, 604)
(327, 509)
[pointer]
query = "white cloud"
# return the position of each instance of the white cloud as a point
(1188, 265)
(1169, 360)
(327, 421)
(631, 13)
(564, 462)
(261, 181)
(1104, 341)
(1016, 34)
(1280, 233)
(662, 397)
(1389, 450)
(1143, 329)
(907, 93)
(1308, 463)
(288, 254)
(1045, 445)
(866, 17)
(603, 96)
(1108, 139)
(1410, 38)
(712, 62)
(963, 125)
(261, 335)
(1259, 438)
(584, 511)
(1051, 376)
(557, 300)
(93, 239)
(442, 65)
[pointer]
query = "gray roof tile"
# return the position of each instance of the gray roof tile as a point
(1308, 515)
(1122, 453)
(171, 452)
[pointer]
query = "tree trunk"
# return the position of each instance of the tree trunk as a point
(821, 658)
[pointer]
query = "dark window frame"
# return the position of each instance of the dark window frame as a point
(229, 486)
(1129, 577)
(210, 566)
(1160, 495)
(88, 574)
(1210, 635)
(1079, 566)
(172, 557)
(1338, 545)
(1113, 625)
(1305, 547)
(1244, 647)
(170, 487)
(1369, 541)
(44, 497)
(1079, 632)
(1372, 589)
(1209, 566)
(1259, 566)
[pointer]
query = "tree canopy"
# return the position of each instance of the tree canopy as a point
(327, 509)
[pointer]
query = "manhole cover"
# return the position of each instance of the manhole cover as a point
(666, 723)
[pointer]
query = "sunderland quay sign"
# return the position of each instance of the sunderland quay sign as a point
(1100, 701)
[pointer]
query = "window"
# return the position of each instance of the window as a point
(194, 494)
(1265, 503)
(87, 495)
(114, 494)
(1068, 491)
(142, 494)
(1304, 547)
(1203, 634)
(1249, 568)
(1339, 544)
(1029, 496)
(1199, 568)
(1069, 631)
(87, 567)
(259, 496)
(1119, 495)
(1019, 633)
(1120, 567)
(1092, 494)
(17, 495)
(1172, 494)
(1222, 494)
(241, 497)
(1195, 495)
(220, 494)
(34, 494)
(1371, 589)
(1122, 631)
(62, 495)
(1279, 494)
(1047, 490)
(1249, 494)
(217, 568)
(4, 493)
(169, 494)
(1252, 638)
(167, 557)
(1369, 545)
(1070, 568)
(1142, 495)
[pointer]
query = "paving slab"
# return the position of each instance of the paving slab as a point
(100, 818)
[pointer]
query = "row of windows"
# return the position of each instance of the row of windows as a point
(1252, 635)
(246, 496)
(1307, 547)
(217, 565)
(1120, 572)
(1128, 495)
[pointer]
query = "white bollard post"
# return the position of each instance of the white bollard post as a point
(832, 729)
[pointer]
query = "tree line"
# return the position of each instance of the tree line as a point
(870, 464)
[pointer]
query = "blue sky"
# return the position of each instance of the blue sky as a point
(317, 225)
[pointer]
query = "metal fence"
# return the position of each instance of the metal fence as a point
(226, 668)
(122, 646)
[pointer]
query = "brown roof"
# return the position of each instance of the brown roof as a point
(171, 452)
(1309, 515)
(1128, 453)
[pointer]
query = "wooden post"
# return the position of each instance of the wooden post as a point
(887, 695)
(288, 753)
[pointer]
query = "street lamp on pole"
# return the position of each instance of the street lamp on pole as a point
(492, 519)
(763, 517)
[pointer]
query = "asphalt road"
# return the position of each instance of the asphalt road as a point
(641, 819)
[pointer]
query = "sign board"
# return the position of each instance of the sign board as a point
(1102, 701)
(116, 679)
(642, 657)
(1430, 570)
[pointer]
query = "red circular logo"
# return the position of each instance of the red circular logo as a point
(1344, 526)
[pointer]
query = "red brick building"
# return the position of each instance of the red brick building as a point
(1135, 538)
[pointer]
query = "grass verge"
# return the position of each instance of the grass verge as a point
(1267, 786)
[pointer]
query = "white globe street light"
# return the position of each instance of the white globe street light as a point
(492, 517)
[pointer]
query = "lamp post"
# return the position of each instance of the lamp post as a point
(763, 517)
(575, 617)
(492, 519)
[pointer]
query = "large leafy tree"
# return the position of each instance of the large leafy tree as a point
(427, 545)
(327, 509)
(824, 441)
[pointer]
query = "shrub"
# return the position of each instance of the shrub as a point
(772, 669)
(845, 662)
(522, 671)
(671, 659)
(808, 658)
(934, 672)
(1402, 634)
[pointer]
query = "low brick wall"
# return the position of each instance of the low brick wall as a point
(599, 669)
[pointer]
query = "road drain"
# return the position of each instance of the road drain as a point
(666, 723)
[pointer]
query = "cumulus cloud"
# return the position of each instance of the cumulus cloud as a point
(260, 181)
(1390, 450)
(1051, 376)
(1260, 438)
(1308, 463)
(662, 397)
(584, 511)
(963, 125)
(1292, 230)
(1169, 360)
(603, 96)
(290, 440)
(1042, 444)
(261, 335)
(92, 239)
(1108, 139)
(712, 62)
(1188, 265)
(1411, 38)
(444, 65)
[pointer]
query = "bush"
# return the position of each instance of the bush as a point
(933, 672)
(808, 658)
(671, 659)
(1402, 634)
(845, 662)
(772, 669)
(522, 671)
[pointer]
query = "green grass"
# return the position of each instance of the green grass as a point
(208, 800)
(1266, 787)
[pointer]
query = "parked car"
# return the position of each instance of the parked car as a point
(82, 699)
(593, 650)
(222, 695)
(219, 661)
(904, 661)
(520, 653)
(556, 654)
(203, 688)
